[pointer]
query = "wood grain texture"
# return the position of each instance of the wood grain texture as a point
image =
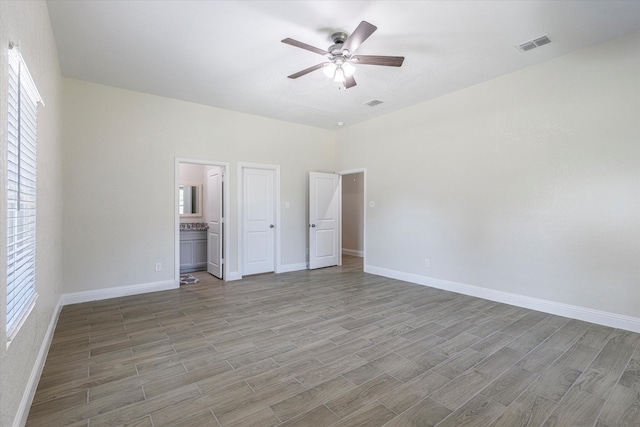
(331, 347)
(479, 411)
(578, 408)
(528, 410)
(426, 413)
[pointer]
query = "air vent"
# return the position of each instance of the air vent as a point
(373, 103)
(527, 46)
(540, 41)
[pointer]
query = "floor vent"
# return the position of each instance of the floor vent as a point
(373, 102)
(540, 41)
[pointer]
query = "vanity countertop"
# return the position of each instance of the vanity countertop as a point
(194, 226)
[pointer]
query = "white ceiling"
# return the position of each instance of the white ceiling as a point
(228, 54)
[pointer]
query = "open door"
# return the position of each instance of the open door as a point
(214, 221)
(325, 201)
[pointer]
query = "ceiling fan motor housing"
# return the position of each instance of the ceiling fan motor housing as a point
(338, 41)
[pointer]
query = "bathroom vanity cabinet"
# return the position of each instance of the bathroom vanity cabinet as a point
(193, 250)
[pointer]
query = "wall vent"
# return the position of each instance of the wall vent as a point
(373, 102)
(540, 41)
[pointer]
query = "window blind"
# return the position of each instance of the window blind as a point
(23, 98)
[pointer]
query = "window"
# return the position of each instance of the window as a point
(23, 98)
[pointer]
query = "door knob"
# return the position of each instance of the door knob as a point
(271, 226)
(312, 225)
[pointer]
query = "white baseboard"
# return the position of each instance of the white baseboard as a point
(32, 383)
(566, 310)
(120, 291)
(352, 252)
(287, 268)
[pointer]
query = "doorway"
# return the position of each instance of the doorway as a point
(210, 207)
(337, 219)
(354, 214)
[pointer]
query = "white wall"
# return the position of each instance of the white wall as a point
(27, 23)
(352, 213)
(528, 184)
(117, 140)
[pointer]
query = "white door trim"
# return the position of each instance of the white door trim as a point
(364, 209)
(227, 218)
(276, 191)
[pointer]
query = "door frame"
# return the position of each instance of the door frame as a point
(225, 211)
(364, 210)
(276, 192)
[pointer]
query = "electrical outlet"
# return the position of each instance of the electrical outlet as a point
(426, 262)
(158, 266)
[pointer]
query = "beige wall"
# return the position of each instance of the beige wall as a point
(528, 184)
(27, 23)
(121, 144)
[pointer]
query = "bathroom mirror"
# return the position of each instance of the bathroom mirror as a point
(190, 200)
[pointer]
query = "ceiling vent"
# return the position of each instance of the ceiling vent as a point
(540, 41)
(373, 102)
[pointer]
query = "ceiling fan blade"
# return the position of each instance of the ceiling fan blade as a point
(349, 82)
(389, 61)
(359, 35)
(306, 71)
(305, 46)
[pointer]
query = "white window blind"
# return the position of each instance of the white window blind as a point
(23, 98)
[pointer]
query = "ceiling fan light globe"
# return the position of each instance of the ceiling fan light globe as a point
(329, 70)
(339, 78)
(348, 69)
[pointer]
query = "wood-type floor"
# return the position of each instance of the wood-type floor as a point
(331, 347)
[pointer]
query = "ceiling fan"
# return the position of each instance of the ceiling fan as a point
(340, 58)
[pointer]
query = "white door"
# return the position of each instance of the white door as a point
(324, 220)
(258, 220)
(214, 221)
